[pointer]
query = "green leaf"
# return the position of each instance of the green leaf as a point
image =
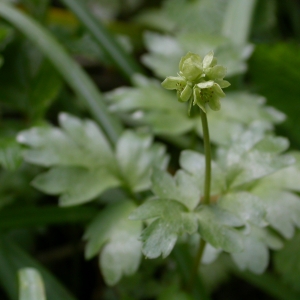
(255, 256)
(116, 238)
(287, 178)
(253, 156)
(83, 163)
(216, 226)
(10, 154)
(76, 185)
(80, 143)
(31, 286)
(182, 187)
(194, 163)
(172, 220)
(287, 262)
(136, 156)
(247, 206)
(173, 293)
(283, 209)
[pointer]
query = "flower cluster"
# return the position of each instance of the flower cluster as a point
(199, 81)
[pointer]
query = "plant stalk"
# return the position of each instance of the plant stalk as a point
(206, 198)
(207, 152)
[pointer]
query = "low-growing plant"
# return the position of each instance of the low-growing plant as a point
(170, 196)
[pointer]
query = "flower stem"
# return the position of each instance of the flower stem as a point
(207, 152)
(206, 198)
(198, 258)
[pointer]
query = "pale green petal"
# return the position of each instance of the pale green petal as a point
(198, 99)
(223, 83)
(214, 103)
(214, 62)
(191, 69)
(173, 83)
(208, 59)
(196, 58)
(186, 94)
(216, 72)
(206, 84)
(218, 91)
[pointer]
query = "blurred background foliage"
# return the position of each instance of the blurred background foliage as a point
(113, 41)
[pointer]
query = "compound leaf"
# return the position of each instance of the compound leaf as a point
(116, 238)
(216, 226)
(172, 220)
(75, 184)
(255, 256)
(136, 156)
(182, 187)
(247, 206)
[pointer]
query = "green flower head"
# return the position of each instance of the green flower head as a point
(200, 81)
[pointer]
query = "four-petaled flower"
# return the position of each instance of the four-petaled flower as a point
(199, 81)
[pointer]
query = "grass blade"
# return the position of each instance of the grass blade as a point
(125, 63)
(70, 70)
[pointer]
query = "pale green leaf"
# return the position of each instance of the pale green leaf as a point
(172, 220)
(31, 286)
(136, 156)
(255, 256)
(116, 238)
(76, 185)
(287, 178)
(247, 206)
(80, 143)
(216, 226)
(194, 163)
(182, 187)
(283, 209)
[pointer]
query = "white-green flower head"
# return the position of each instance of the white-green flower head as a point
(199, 81)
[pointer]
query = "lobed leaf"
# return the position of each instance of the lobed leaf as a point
(116, 238)
(248, 207)
(172, 220)
(136, 156)
(83, 163)
(255, 256)
(216, 226)
(76, 185)
(194, 163)
(182, 187)
(283, 209)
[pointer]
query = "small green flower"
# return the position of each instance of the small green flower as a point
(199, 81)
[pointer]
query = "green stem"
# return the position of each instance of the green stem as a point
(206, 198)
(198, 258)
(207, 152)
